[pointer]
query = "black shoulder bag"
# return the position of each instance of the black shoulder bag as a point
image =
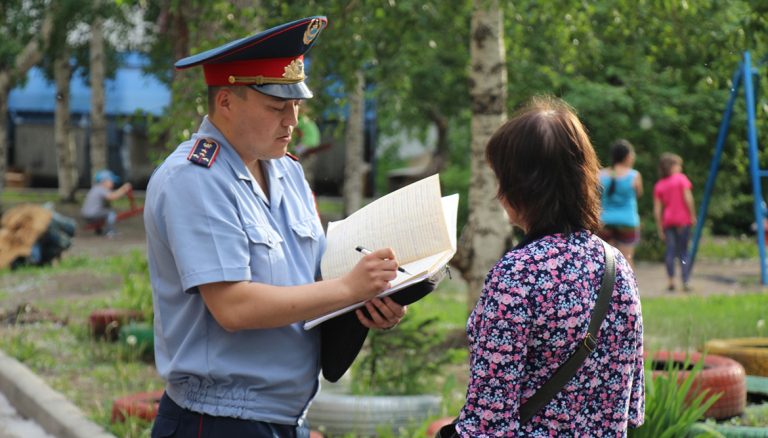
(568, 369)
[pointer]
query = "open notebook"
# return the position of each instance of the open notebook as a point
(415, 221)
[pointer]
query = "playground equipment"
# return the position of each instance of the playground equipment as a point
(133, 210)
(745, 75)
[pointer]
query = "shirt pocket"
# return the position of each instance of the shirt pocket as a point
(308, 234)
(266, 252)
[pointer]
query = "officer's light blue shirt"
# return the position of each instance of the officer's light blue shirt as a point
(207, 225)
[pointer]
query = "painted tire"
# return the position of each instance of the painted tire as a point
(342, 414)
(438, 424)
(720, 374)
(141, 405)
(105, 323)
(139, 338)
(752, 353)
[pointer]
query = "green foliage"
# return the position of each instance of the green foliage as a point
(19, 23)
(136, 292)
(406, 360)
(669, 409)
(656, 73)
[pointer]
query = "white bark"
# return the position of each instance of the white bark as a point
(98, 140)
(65, 150)
(483, 239)
(354, 166)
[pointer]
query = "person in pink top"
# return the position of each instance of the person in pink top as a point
(674, 212)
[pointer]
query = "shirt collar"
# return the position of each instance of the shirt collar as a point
(228, 153)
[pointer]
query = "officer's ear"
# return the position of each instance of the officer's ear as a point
(224, 98)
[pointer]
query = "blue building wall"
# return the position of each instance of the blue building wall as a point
(31, 115)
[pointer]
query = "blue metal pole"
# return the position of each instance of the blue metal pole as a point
(754, 164)
(714, 165)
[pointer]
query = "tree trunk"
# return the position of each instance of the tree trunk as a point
(483, 240)
(65, 154)
(30, 55)
(4, 91)
(354, 167)
(98, 140)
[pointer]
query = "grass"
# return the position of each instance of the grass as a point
(89, 372)
(719, 248)
(687, 322)
(13, 196)
(92, 373)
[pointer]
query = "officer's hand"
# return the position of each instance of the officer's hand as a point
(381, 313)
(372, 274)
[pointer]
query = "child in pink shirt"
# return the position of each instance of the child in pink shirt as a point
(674, 212)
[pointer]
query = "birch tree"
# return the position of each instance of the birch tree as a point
(63, 141)
(484, 238)
(26, 32)
(59, 65)
(98, 134)
(354, 167)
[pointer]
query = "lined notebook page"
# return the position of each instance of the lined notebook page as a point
(410, 220)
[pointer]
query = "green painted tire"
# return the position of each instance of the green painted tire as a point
(138, 337)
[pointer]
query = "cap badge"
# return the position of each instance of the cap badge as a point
(294, 71)
(313, 29)
(204, 152)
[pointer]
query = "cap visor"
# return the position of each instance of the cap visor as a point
(285, 91)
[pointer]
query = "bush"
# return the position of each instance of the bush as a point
(406, 360)
(669, 412)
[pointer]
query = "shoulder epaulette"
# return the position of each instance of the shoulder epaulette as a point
(292, 157)
(204, 152)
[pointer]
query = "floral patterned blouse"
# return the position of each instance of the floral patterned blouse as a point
(533, 312)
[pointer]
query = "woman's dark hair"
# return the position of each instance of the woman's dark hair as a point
(547, 168)
(620, 149)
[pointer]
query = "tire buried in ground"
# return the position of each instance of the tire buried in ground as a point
(719, 375)
(141, 405)
(751, 353)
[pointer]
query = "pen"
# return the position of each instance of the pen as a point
(367, 251)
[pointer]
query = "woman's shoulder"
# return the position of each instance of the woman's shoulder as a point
(555, 245)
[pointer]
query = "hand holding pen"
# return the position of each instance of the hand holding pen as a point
(367, 251)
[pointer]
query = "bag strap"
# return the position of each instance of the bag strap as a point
(568, 369)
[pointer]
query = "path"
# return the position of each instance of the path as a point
(709, 276)
(12, 425)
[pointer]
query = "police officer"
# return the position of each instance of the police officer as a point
(234, 245)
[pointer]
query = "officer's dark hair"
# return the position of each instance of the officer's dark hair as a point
(546, 168)
(213, 90)
(620, 150)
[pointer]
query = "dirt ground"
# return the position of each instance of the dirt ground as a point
(28, 286)
(709, 277)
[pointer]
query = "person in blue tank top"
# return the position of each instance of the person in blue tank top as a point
(621, 186)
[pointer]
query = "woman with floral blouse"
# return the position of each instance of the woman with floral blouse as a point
(537, 301)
